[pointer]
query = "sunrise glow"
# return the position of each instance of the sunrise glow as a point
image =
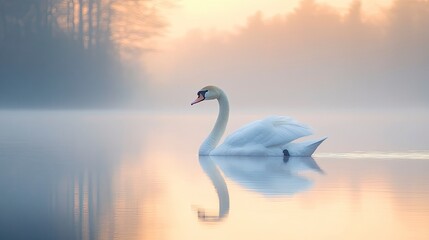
(228, 15)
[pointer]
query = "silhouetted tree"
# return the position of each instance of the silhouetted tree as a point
(67, 52)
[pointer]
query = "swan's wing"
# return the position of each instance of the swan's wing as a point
(269, 132)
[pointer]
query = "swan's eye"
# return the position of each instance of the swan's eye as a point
(202, 93)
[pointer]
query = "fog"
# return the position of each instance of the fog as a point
(313, 57)
(88, 53)
(74, 53)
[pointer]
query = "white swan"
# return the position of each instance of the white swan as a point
(271, 136)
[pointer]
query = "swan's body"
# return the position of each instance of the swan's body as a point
(271, 136)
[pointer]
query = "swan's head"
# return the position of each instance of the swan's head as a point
(207, 93)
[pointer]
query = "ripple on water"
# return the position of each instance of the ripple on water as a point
(377, 155)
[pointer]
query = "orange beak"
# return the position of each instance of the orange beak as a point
(199, 99)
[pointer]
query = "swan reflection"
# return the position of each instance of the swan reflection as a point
(272, 176)
(268, 176)
(215, 176)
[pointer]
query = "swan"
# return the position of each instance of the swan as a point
(271, 136)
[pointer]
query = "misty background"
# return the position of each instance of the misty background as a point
(313, 57)
(73, 53)
(108, 53)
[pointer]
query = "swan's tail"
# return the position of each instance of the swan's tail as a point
(302, 149)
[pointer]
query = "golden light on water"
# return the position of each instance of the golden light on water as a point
(337, 206)
(132, 175)
(139, 177)
(159, 190)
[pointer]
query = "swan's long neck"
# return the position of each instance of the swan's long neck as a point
(219, 128)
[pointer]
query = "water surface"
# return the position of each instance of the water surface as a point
(125, 175)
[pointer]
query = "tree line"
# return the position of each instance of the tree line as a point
(56, 53)
(314, 56)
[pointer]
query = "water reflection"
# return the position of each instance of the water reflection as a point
(269, 176)
(215, 176)
(57, 174)
(107, 176)
(68, 200)
(273, 176)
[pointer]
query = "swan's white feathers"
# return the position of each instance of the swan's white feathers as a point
(271, 136)
(263, 137)
(306, 148)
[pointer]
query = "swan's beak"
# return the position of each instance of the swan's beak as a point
(199, 99)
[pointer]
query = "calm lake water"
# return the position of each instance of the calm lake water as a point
(130, 175)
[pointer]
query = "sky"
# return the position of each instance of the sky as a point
(294, 54)
(227, 14)
(271, 53)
